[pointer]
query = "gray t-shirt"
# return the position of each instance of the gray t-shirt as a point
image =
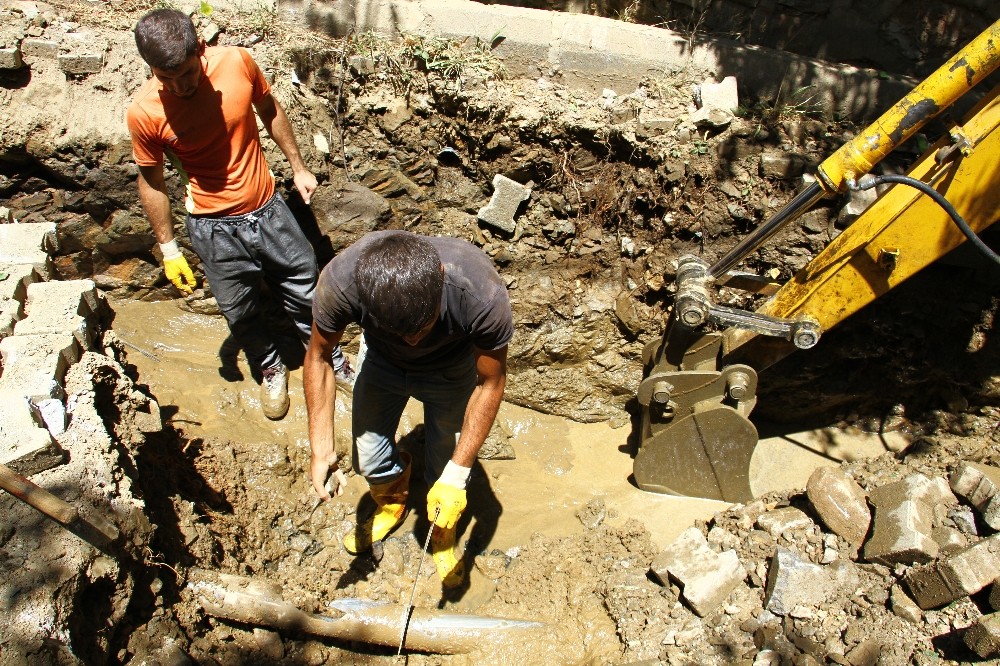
(475, 309)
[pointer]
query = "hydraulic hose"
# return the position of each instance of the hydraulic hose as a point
(869, 181)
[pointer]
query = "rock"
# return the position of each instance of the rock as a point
(840, 503)
(706, 577)
(507, 197)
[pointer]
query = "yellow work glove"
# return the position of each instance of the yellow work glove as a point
(176, 267)
(447, 496)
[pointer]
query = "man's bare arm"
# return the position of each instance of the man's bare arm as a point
(280, 129)
(156, 202)
(491, 366)
(320, 386)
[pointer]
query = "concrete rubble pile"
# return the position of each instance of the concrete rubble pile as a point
(61, 371)
(912, 549)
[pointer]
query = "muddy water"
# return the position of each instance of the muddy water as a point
(563, 471)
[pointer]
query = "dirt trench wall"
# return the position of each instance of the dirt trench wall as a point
(621, 184)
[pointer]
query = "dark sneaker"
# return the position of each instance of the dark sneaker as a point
(274, 392)
(346, 375)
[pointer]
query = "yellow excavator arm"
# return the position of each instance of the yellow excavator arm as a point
(700, 387)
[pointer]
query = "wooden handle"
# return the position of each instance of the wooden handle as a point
(39, 498)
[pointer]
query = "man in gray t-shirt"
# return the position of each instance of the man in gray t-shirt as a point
(437, 322)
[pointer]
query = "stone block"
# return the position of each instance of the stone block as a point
(786, 166)
(25, 445)
(840, 503)
(777, 521)
(793, 581)
(79, 64)
(34, 366)
(40, 49)
(10, 58)
(723, 95)
(916, 486)
(507, 196)
(706, 577)
(29, 244)
(983, 637)
(979, 484)
(904, 518)
(14, 281)
(70, 306)
(902, 534)
(955, 576)
(995, 596)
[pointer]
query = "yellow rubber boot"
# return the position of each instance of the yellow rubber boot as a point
(390, 499)
(450, 568)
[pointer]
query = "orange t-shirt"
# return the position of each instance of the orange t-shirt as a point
(210, 137)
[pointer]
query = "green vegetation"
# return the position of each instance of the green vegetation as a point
(452, 59)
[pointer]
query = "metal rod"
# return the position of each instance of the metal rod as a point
(420, 564)
(802, 202)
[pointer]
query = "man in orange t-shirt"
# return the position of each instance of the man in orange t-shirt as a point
(198, 111)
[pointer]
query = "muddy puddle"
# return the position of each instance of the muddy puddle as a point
(234, 497)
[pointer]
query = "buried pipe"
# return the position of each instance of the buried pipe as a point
(249, 601)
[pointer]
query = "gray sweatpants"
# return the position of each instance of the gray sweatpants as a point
(239, 253)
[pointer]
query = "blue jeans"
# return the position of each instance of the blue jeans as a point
(381, 391)
(240, 252)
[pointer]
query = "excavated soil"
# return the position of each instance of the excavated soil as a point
(556, 532)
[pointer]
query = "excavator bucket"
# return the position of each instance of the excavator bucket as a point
(704, 454)
(696, 437)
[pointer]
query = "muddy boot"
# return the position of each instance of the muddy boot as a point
(450, 568)
(391, 500)
(274, 392)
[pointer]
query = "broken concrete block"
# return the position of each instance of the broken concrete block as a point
(14, 281)
(34, 366)
(723, 95)
(903, 606)
(70, 306)
(706, 577)
(10, 58)
(948, 539)
(902, 534)
(793, 581)
(975, 482)
(786, 518)
(955, 576)
(930, 491)
(904, 518)
(29, 244)
(507, 196)
(711, 119)
(53, 415)
(983, 637)
(979, 484)
(840, 503)
(39, 49)
(25, 446)
(995, 596)
(650, 125)
(787, 166)
(81, 64)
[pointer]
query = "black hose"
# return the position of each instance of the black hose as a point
(869, 181)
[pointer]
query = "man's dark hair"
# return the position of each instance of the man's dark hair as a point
(399, 282)
(166, 38)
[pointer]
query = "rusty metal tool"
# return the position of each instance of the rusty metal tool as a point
(94, 530)
(420, 563)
